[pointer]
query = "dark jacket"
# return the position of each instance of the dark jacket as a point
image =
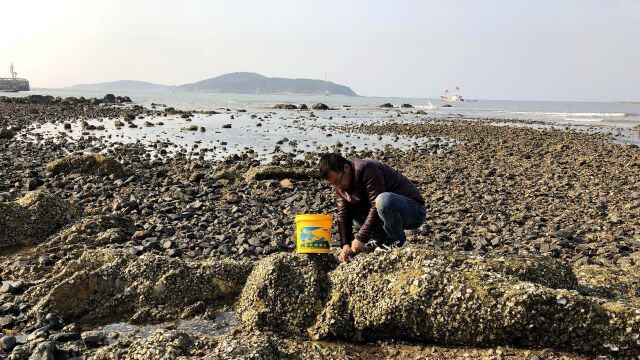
(369, 179)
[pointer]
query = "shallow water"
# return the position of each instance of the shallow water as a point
(287, 130)
(221, 324)
(296, 131)
(619, 114)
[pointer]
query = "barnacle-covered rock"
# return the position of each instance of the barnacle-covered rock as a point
(115, 284)
(86, 164)
(445, 298)
(285, 292)
(68, 244)
(619, 282)
(171, 344)
(32, 218)
(434, 296)
(160, 345)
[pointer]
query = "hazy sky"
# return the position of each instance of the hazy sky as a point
(539, 50)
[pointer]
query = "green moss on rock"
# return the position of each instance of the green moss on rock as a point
(86, 164)
(32, 218)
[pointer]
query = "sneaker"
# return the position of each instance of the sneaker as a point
(394, 245)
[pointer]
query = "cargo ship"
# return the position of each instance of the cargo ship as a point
(13, 83)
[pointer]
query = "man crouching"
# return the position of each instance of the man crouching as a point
(378, 198)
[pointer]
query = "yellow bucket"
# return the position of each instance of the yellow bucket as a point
(313, 232)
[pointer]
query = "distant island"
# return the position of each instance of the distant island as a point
(237, 83)
(123, 85)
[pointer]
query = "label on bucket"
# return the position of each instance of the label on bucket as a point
(313, 233)
(313, 237)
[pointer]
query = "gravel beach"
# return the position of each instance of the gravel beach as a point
(531, 247)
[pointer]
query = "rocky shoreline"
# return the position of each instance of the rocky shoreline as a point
(520, 221)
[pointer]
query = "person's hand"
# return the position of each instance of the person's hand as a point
(357, 246)
(344, 253)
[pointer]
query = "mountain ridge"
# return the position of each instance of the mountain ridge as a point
(236, 82)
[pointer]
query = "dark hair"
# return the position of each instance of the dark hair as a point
(331, 162)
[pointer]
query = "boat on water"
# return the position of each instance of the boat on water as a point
(453, 97)
(13, 83)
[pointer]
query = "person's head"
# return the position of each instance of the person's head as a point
(335, 170)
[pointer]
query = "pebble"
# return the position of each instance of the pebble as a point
(7, 342)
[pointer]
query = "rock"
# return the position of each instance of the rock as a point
(32, 218)
(6, 134)
(190, 128)
(160, 344)
(285, 106)
(285, 292)
(45, 351)
(7, 342)
(226, 126)
(565, 233)
(116, 284)
(286, 183)
(65, 336)
(427, 296)
(319, 106)
(406, 106)
(174, 252)
(93, 338)
(386, 105)
(271, 172)
(86, 164)
(303, 107)
(9, 288)
(6, 322)
(34, 183)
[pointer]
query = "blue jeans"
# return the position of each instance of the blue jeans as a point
(397, 213)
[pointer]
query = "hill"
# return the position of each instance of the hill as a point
(237, 83)
(252, 83)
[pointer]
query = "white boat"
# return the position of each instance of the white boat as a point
(454, 97)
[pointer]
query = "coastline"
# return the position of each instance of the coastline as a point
(569, 195)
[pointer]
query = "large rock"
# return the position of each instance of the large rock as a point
(450, 298)
(160, 345)
(31, 219)
(6, 133)
(86, 164)
(114, 284)
(87, 233)
(272, 172)
(172, 344)
(319, 106)
(285, 292)
(285, 106)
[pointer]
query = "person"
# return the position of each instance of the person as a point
(377, 198)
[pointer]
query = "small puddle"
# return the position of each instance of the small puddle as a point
(221, 324)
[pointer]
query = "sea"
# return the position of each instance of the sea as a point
(278, 128)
